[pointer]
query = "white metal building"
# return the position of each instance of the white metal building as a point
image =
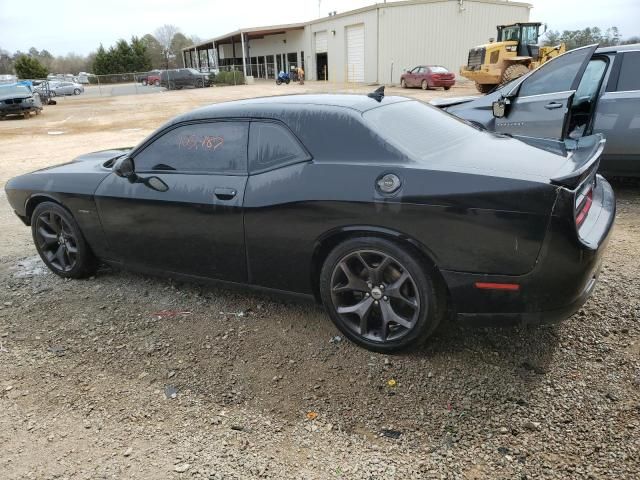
(374, 44)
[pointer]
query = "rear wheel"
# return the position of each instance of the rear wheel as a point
(484, 87)
(447, 88)
(76, 91)
(278, 82)
(380, 295)
(145, 82)
(60, 242)
(425, 85)
(513, 72)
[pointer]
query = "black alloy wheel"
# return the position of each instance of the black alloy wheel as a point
(60, 243)
(379, 295)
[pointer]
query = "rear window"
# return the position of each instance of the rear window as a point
(438, 70)
(417, 129)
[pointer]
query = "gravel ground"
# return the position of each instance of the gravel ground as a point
(127, 376)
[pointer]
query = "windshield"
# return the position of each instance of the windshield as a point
(511, 33)
(418, 130)
(14, 90)
(194, 71)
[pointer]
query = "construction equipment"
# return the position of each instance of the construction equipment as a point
(515, 53)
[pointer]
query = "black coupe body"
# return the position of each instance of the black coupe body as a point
(387, 210)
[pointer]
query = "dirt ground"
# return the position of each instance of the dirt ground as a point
(126, 376)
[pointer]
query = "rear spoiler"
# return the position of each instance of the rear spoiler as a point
(583, 158)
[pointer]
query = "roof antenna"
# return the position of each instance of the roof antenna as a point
(378, 94)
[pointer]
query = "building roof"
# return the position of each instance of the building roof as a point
(274, 29)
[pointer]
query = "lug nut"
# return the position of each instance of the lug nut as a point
(376, 302)
(385, 298)
(366, 294)
(381, 287)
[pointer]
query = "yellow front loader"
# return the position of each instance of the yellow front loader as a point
(515, 52)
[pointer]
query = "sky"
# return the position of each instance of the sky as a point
(78, 26)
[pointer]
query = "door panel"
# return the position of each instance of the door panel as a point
(540, 106)
(195, 227)
(543, 116)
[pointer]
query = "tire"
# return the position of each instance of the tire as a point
(199, 84)
(26, 115)
(287, 80)
(56, 235)
(403, 84)
(77, 91)
(157, 83)
(484, 87)
(145, 82)
(278, 82)
(447, 88)
(513, 72)
(425, 85)
(416, 302)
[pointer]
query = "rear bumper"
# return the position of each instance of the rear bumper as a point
(563, 279)
(443, 83)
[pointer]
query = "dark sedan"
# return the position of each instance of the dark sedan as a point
(428, 76)
(389, 223)
(583, 91)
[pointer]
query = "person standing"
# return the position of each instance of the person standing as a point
(300, 73)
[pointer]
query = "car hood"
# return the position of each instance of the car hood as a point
(450, 101)
(7, 96)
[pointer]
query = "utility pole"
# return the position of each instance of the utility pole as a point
(319, 3)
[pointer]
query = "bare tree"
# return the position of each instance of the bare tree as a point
(164, 35)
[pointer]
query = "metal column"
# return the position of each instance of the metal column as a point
(244, 57)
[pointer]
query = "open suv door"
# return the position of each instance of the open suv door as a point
(541, 104)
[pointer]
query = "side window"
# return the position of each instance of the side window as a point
(272, 145)
(629, 78)
(213, 147)
(558, 75)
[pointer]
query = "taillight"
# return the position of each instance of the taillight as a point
(584, 199)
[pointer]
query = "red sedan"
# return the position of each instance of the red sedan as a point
(428, 76)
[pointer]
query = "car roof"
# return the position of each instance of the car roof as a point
(358, 103)
(619, 48)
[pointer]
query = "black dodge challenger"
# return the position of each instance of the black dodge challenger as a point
(388, 211)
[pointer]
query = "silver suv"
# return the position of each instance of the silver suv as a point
(584, 91)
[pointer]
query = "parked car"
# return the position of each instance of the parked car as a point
(149, 78)
(65, 88)
(183, 77)
(428, 76)
(385, 225)
(584, 91)
(16, 99)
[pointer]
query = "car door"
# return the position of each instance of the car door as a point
(618, 116)
(540, 105)
(193, 223)
(411, 77)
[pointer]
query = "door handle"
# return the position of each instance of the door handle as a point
(225, 193)
(553, 105)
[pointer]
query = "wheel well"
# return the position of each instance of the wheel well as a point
(33, 202)
(326, 245)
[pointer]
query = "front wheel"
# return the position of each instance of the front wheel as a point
(380, 295)
(60, 242)
(403, 84)
(484, 87)
(76, 91)
(278, 82)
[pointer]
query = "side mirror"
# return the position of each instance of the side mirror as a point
(499, 108)
(125, 168)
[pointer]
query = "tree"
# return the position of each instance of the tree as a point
(6, 62)
(630, 40)
(30, 68)
(141, 58)
(164, 35)
(580, 38)
(154, 50)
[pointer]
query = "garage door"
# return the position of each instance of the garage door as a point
(321, 42)
(355, 53)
